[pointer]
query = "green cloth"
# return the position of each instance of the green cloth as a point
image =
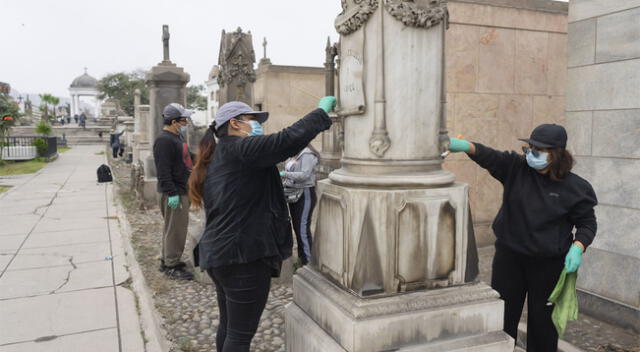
(565, 300)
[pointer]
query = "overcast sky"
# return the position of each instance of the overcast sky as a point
(45, 44)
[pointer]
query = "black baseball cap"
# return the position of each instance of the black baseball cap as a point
(175, 111)
(548, 135)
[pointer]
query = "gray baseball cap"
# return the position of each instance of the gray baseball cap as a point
(175, 111)
(234, 109)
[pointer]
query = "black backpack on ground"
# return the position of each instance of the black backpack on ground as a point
(104, 174)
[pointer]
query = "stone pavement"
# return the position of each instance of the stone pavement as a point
(63, 276)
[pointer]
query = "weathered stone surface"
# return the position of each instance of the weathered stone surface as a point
(548, 109)
(557, 64)
(620, 126)
(583, 9)
(618, 230)
(515, 119)
(612, 179)
(618, 36)
(511, 14)
(617, 269)
(462, 57)
(579, 127)
(496, 61)
(531, 62)
(582, 42)
(608, 86)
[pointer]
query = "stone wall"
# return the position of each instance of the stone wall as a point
(506, 74)
(288, 93)
(603, 117)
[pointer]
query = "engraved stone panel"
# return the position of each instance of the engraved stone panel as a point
(331, 261)
(352, 99)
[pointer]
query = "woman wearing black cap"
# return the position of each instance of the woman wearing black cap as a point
(543, 201)
(248, 231)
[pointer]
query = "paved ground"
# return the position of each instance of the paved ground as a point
(62, 266)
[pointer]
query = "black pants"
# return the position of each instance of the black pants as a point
(115, 151)
(301, 212)
(242, 291)
(516, 276)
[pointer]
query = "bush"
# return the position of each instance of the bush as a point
(43, 128)
(41, 146)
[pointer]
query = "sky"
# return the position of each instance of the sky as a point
(46, 44)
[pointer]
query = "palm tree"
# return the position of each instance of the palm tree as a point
(49, 99)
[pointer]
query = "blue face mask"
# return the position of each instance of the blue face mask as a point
(256, 128)
(183, 129)
(537, 162)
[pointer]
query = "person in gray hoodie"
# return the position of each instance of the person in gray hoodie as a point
(299, 180)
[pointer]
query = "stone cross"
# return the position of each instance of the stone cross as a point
(165, 42)
(264, 45)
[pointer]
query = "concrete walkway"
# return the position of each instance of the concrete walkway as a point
(62, 263)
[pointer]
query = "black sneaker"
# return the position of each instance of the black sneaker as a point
(177, 273)
(164, 267)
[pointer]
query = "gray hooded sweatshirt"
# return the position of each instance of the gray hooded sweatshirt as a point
(300, 170)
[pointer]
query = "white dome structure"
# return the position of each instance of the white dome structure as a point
(84, 85)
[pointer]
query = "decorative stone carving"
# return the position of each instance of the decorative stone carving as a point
(409, 13)
(236, 61)
(355, 13)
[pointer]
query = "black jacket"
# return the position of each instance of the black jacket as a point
(173, 163)
(247, 216)
(114, 139)
(538, 215)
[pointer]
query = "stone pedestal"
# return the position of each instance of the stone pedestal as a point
(394, 260)
(166, 84)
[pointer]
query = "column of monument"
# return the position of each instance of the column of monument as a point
(166, 83)
(393, 263)
(236, 59)
(331, 151)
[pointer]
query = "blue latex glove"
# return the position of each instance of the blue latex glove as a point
(327, 103)
(459, 145)
(573, 259)
(173, 202)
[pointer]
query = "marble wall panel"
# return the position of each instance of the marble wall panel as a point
(583, 9)
(496, 61)
(582, 43)
(579, 131)
(476, 106)
(489, 197)
(462, 57)
(557, 64)
(548, 109)
(515, 120)
(618, 36)
(616, 134)
(531, 62)
(618, 230)
(614, 180)
(610, 86)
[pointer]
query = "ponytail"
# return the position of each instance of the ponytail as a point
(205, 155)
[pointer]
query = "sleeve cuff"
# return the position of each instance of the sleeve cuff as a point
(585, 236)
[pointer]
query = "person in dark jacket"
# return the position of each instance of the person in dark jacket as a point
(542, 203)
(116, 145)
(299, 176)
(173, 168)
(248, 232)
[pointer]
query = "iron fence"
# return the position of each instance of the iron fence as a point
(28, 147)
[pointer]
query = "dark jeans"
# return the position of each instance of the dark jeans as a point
(301, 212)
(516, 276)
(242, 291)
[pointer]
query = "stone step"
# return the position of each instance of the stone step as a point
(563, 346)
(496, 341)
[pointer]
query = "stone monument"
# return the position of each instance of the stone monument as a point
(236, 61)
(166, 83)
(332, 139)
(394, 262)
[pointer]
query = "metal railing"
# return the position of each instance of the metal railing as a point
(26, 147)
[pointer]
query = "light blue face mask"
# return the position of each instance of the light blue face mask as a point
(256, 128)
(539, 162)
(183, 129)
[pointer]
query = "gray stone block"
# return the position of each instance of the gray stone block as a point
(608, 86)
(583, 9)
(618, 36)
(608, 311)
(614, 180)
(618, 230)
(581, 44)
(579, 131)
(608, 274)
(621, 127)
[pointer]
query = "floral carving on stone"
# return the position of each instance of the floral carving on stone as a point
(355, 13)
(236, 59)
(413, 15)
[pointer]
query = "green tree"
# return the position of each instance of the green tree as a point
(44, 128)
(9, 114)
(196, 98)
(49, 101)
(121, 86)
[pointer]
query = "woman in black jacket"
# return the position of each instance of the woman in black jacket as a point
(248, 231)
(542, 202)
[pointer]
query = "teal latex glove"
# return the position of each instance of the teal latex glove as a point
(459, 145)
(573, 259)
(281, 173)
(327, 103)
(173, 202)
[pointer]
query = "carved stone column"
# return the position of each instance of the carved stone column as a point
(236, 61)
(166, 82)
(394, 262)
(331, 152)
